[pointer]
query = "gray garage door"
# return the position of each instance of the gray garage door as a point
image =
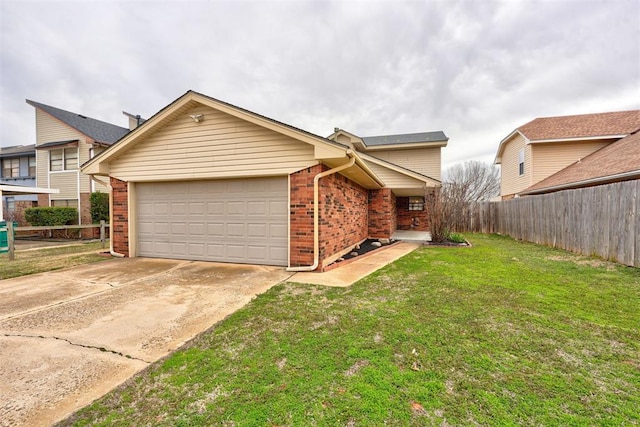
(234, 220)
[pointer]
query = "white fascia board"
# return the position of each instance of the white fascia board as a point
(498, 159)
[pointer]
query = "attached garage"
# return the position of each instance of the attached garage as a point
(225, 220)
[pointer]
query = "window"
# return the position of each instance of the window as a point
(11, 168)
(63, 159)
(521, 162)
(32, 166)
(11, 204)
(69, 203)
(416, 203)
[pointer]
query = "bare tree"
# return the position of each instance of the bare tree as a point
(463, 185)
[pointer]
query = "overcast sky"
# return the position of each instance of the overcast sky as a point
(474, 69)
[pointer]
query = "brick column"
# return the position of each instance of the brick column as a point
(382, 213)
(120, 216)
(301, 216)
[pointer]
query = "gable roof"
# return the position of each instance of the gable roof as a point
(406, 138)
(332, 152)
(612, 124)
(389, 165)
(617, 161)
(97, 130)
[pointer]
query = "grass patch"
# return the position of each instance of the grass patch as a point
(49, 259)
(503, 333)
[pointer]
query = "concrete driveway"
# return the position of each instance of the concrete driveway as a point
(68, 337)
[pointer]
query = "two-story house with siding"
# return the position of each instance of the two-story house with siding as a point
(18, 167)
(544, 146)
(64, 141)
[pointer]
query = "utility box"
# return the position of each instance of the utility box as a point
(4, 238)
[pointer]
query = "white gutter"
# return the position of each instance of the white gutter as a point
(316, 227)
(108, 185)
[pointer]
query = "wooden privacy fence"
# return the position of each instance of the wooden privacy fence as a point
(11, 241)
(602, 220)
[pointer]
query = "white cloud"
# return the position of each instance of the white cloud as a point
(475, 70)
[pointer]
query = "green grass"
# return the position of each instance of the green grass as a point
(502, 333)
(43, 260)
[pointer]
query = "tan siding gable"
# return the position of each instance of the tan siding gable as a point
(550, 158)
(67, 183)
(426, 161)
(394, 179)
(49, 129)
(511, 181)
(219, 146)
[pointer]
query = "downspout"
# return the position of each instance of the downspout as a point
(108, 185)
(316, 214)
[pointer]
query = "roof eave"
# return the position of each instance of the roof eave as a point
(504, 141)
(577, 138)
(233, 110)
(406, 145)
(400, 169)
(623, 176)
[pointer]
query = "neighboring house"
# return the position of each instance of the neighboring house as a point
(206, 180)
(18, 168)
(619, 161)
(65, 140)
(544, 146)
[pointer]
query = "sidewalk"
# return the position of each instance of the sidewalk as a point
(348, 274)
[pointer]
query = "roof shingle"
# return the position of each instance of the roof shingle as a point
(584, 125)
(98, 130)
(407, 138)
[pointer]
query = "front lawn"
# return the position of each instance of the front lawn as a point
(49, 259)
(503, 333)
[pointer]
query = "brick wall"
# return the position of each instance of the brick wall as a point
(382, 213)
(120, 217)
(43, 200)
(342, 215)
(301, 216)
(411, 220)
(415, 220)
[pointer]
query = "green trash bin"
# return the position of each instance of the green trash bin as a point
(4, 240)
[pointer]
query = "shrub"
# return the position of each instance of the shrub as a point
(51, 216)
(99, 207)
(457, 238)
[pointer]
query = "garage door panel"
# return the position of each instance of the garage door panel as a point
(243, 221)
(215, 208)
(197, 249)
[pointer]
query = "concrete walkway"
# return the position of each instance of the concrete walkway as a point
(357, 269)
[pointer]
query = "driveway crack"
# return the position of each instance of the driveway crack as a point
(102, 349)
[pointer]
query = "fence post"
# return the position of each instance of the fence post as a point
(102, 233)
(10, 240)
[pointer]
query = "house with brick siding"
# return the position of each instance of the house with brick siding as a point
(65, 140)
(206, 180)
